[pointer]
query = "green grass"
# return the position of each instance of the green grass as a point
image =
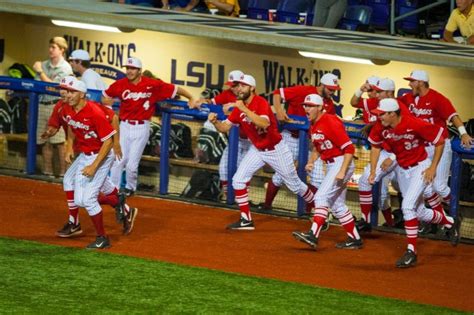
(38, 278)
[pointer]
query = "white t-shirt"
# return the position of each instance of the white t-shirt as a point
(93, 80)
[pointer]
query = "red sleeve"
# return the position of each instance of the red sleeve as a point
(224, 98)
(375, 135)
(234, 116)
(329, 106)
(444, 107)
(113, 90)
(163, 90)
(264, 109)
(55, 118)
(360, 103)
(289, 93)
(429, 132)
(339, 136)
(104, 128)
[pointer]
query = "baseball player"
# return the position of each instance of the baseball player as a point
(294, 97)
(366, 104)
(332, 144)
(88, 127)
(433, 107)
(255, 117)
(80, 62)
(138, 95)
(227, 99)
(406, 136)
(109, 194)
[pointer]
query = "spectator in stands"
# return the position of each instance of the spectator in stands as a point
(327, 13)
(462, 19)
(80, 62)
(197, 6)
(51, 70)
(224, 7)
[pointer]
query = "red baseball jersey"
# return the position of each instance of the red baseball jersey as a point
(261, 138)
(407, 139)
(434, 108)
(227, 96)
(329, 137)
(138, 100)
(367, 105)
(294, 96)
(108, 112)
(90, 127)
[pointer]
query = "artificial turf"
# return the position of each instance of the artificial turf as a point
(44, 279)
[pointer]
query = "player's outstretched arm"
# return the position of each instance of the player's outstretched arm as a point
(345, 165)
(466, 139)
(69, 152)
(281, 115)
(192, 102)
(374, 157)
(90, 170)
(116, 137)
(220, 126)
(430, 173)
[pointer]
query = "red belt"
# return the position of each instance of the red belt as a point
(270, 148)
(329, 161)
(91, 153)
(410, 166)
(134, 122)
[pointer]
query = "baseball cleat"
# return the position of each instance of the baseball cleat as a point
(128, 192)
(407, 260)
(363, 226)
(129, 220)
(101, 242)
(454, 232)
(242, 224)
(263, 207)
(69, 230)
(350, 243)
(119, 215)
(308, 238)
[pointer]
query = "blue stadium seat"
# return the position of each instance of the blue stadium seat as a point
(288, 11)
(144, 3)
(258, 9)
(380, 13)
(356, 18)
(408, 24)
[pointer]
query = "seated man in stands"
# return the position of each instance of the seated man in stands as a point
(186, 5)
(224, 7)
(462, 19)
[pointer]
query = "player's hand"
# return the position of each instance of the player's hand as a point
(309, 167)
(118, 151)
(372, 178)
(365, 87)
(37, 66)
(69, 155)
(193, 103)
(212, 117)
(429, 174)
(89, 170)
(386, 164)
(282, 116)
(51, 131)
(240, 105)
(466, 141)
(226, 108)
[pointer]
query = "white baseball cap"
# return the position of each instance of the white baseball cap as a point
(384, 84)
(247, 79)
(133, 62)
(418, 75)
(386, 105)
(313, 100)
(234, 76)
(330, 81)
(80, 54)
(72, 83)
(372, 80)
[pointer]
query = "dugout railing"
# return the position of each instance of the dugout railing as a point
(177, 109)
